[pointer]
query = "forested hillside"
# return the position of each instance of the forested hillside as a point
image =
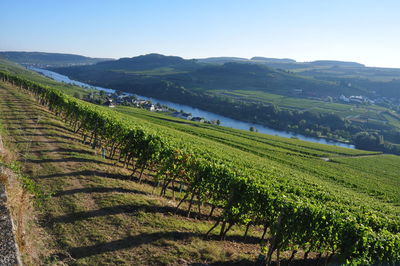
(41, 59)
(251, 91)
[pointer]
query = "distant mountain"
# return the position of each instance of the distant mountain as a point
(147, 74)
(272, 60)
(149, 71)
(333, 63)
(257, 59)
(283, 63)
(41, 59)
(148, 62)
(222, 60)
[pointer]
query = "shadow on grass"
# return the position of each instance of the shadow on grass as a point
(31, 108)
(40, 141)
(21, 104)
(118, 209)
(98, 190)
(55, 126)
(68, 159)
(15, 111)
(295, 262)
(134, 209)
(67, 151)
(143, 239)
(128, 242)
(46, 135)
(18, 119)
(227, 263)
(36, 127)
(87, 173)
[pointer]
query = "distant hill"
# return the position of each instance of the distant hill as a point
(148, 74)
(272, 60)
(336, 63)
(41, 59)
(287, 63)
(222, 60)
(147, 62)
(257, 59)
(149, 70)
(284, 63)
(287, 99)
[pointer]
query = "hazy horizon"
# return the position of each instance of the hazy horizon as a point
(248, 58)
(356, 31)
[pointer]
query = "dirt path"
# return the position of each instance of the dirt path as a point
(328, 159)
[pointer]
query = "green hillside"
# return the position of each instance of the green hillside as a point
(370, 81)
(325, 199)
(196, 75)
(16, 69)
(253, 91)
(41, 59)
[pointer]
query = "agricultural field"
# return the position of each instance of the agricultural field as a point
(16, 69)
(302, 198)
(301, 104)
(297, 157)
(366, 113)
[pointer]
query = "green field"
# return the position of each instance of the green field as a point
(300, 159)
(18, 70)
(299, 175)
(299, 103)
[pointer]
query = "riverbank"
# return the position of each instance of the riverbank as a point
(196, 112)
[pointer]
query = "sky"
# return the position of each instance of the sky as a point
(364, 31)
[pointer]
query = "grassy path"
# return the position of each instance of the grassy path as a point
(97, 216)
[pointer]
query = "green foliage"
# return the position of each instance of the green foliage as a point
(30, 185)
(16, 69)
(257, 93)
(305, 203)
(49, 59)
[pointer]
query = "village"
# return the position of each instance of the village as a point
(119, 98)
(391, 103)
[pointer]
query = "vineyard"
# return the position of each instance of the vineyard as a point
(338, 203)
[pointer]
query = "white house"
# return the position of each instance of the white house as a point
(344, 98)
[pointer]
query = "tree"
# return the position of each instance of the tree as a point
(253, 129)
(77, 95)
(371, 141)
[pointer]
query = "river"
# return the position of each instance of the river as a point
(225, 121)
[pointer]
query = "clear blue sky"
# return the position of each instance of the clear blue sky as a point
(365, 31)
